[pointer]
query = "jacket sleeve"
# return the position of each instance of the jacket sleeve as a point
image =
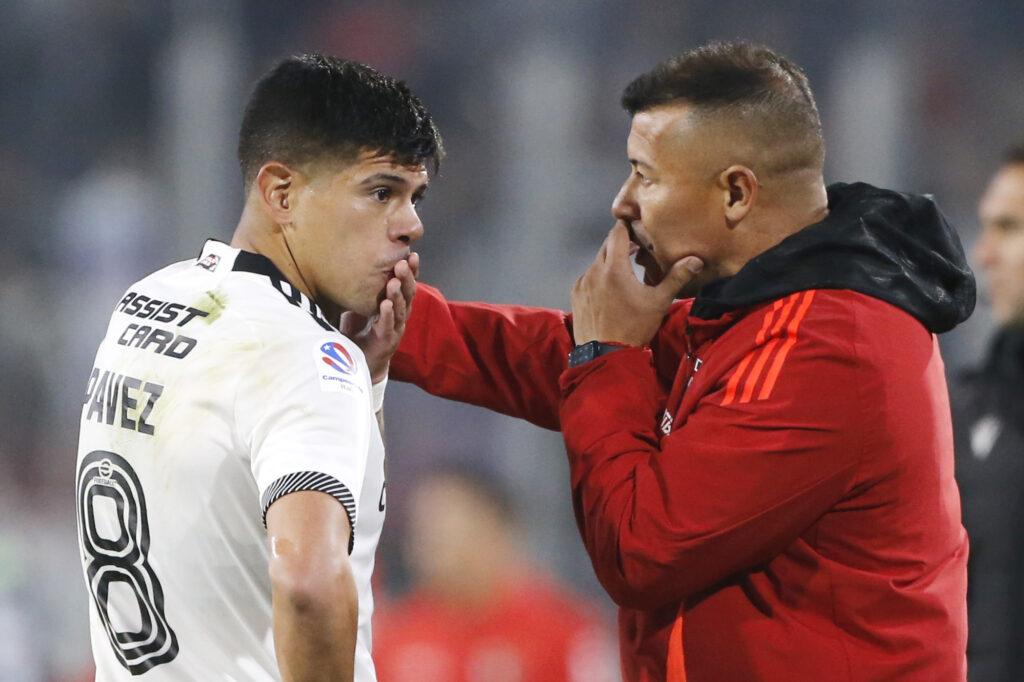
(502, 357)
(665, 517)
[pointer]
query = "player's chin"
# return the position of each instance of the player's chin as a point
(367, 303)
(371, 303)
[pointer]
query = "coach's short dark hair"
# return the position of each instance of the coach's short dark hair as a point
(315, 107)
(1014, 155)
(749, 81)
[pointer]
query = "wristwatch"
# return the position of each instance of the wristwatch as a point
(588, 351)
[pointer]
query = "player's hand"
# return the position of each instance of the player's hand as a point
(610, 305)
(380, 335)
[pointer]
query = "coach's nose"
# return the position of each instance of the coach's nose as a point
(624, 206)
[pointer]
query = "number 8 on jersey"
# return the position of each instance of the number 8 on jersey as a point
(114, 532)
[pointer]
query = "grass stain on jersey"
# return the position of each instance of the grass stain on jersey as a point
(214, 303)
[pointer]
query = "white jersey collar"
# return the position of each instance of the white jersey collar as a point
(216, 255)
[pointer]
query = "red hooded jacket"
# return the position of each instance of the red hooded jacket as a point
(776, 468)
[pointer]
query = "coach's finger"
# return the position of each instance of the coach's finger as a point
(680, 274)
(618, 242)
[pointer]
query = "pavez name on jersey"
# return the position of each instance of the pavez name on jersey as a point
(218, 389)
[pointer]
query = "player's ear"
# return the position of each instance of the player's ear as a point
(739, 192)
(275, 187)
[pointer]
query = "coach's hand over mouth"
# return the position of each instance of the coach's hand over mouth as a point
(379, 336)
(610, 305)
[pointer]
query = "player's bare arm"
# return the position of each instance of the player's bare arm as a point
(379, 337)
(315, 602)
(610, 305)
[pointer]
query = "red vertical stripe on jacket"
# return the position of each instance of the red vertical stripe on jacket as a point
(780, 359)
(786, 304)
(676, 664)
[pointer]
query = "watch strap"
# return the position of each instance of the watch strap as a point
(590, 350)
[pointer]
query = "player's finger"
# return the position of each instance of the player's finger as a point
(403, 270)
(353, 323)
(385, 323)
(396, 294)
(414, 264)
(394, 291)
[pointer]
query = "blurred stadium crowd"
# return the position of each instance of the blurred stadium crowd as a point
(118, 124)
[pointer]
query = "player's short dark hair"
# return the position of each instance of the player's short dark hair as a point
(315, 107)
(742, 79)
(1014, 155)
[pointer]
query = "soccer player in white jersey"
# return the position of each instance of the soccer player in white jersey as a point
(230, 481)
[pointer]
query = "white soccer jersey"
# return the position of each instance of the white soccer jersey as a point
(218, 389)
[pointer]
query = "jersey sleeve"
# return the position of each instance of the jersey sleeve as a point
(306, 417)
(732, 485)
(503, 357)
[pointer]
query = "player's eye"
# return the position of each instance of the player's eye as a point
(382, 194)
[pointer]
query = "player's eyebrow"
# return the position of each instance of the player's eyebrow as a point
(396, 179)
(389, 177)
(636, 163)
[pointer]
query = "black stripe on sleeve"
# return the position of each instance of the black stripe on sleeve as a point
(313, 480)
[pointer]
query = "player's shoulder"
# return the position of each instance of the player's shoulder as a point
(246, 289)
(328, 348)
(242, 294)
(161, 278)
(289, 332)
(253, 288)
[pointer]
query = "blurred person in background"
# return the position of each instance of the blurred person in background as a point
(988, 418)
(479, 611)
(230, 485)
(22, 655)
(762, 475)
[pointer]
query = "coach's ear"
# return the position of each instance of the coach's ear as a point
(275, 185)
(739, 192)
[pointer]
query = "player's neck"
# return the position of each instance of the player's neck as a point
(256, 233)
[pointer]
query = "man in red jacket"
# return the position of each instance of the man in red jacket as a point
(763, 474)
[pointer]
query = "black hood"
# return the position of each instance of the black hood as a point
(895, 247)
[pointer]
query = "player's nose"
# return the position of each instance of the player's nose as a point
(409, 229)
